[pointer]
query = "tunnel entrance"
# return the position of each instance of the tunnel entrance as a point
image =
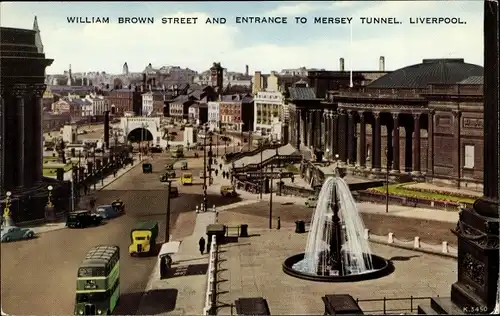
(140, 134)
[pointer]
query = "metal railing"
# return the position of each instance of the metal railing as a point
(398, 310)
(210, 296)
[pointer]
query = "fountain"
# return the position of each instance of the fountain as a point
(336, 250)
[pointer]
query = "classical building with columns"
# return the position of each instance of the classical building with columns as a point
(22, 87)
(421, 122)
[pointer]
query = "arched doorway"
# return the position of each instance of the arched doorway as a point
(140, 135)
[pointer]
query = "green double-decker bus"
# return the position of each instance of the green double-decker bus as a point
(98, 282)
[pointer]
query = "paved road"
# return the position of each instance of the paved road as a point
(38, 276)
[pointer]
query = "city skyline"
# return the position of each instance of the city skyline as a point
(105, 47)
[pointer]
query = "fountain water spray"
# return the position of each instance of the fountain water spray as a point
(335, 244)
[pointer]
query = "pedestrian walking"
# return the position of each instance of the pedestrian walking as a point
(220, 167)
(216, 172)
(114, 173)
(223, 174)
(202, 243)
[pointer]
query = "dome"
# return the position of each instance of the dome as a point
(439, 71)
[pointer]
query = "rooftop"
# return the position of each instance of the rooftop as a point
(301, 93)
(419, 76)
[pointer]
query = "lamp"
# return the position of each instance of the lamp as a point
(7, 219)
(49, 208)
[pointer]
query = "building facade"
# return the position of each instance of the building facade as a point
(213, 115)
(422, 122)
(22, 73)
(147, 103)
(268, 106)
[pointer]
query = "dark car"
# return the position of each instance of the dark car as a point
(156, 149)
(108, 211)
(118, 204)
(147, 168)
(82, 219)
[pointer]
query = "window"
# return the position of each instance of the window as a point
(469, 156)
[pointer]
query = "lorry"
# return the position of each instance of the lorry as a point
(143, 238)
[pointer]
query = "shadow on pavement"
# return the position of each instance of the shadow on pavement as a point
(187, 270)
(154, 302)
(128, 303)
(403, 258)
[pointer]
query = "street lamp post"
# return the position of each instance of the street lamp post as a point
(261, 171)
(337, 161)
(167, 219)
(205, 172)
(7, 219)
(271, 193)
(387, 180)
(49, 208)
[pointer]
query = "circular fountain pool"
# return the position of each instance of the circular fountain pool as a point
(380, 268)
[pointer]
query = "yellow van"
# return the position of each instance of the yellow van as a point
(143, 238)
(187, 179)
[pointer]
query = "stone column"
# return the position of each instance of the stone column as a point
(362, 140)
(416, 143)
(20, 93)
(342, 136)
(328, 133)
(310, 131)
(457, 156)
(321, 133)
(334, 131)
(2, 140)
(351, 137)
(303, 127)
(298, 129)
(37, 128)
(314, 132)
(376, 143)
(395, 143)
(430, 143)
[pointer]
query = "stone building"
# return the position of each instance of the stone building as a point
(22, 74)
(372, 128)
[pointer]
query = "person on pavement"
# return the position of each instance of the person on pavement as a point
(201, 243)
(216, 172)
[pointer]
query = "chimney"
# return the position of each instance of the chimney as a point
(246, 70)
(106, 129)
(381, 63)
(257, 82)
(342, 64)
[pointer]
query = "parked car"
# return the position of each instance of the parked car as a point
(108, 211)
(119, 204)
(228, 190)
(11, 233)
(312, 201)
(147, 167)
(82, 219)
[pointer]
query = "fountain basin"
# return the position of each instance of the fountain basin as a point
(381, 268)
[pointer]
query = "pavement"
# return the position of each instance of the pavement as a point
(46, 286)
(252, 267)
(183, 293)
(48, 227)
(363, 207)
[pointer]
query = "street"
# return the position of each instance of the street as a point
(38, 276)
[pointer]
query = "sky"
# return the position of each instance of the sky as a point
(106, 47)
